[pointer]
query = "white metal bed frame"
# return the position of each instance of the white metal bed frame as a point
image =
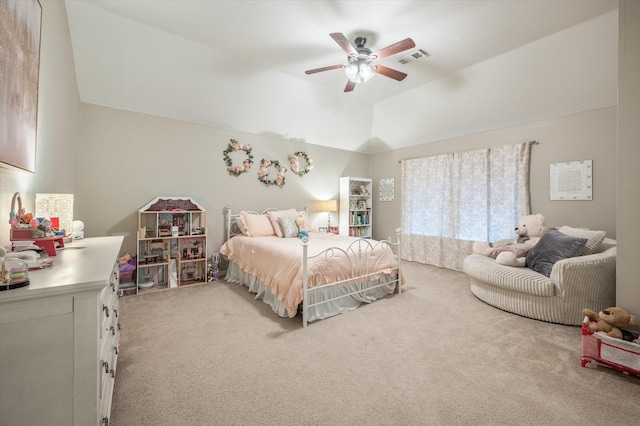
(361, 270)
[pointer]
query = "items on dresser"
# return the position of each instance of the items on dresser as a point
(50, 244)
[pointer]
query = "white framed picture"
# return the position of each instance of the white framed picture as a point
(386, 189)
(571, 181)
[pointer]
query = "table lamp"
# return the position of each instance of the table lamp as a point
(329, 206)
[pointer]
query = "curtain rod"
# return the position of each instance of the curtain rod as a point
(530, 143)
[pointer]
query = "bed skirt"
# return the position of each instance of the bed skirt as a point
(345, 304)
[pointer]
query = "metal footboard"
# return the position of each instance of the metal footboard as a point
(359, 264)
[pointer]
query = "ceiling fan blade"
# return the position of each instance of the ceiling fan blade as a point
(389, 72)
(330, 67)
(344, 43)
(400, 46)
(350, 86)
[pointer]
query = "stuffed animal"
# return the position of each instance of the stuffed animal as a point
(609, 321)
(125, 258)
(529, 230)
(303, 234)
(43, 230)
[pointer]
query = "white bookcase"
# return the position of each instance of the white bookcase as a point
(172, 244)
(356, 196)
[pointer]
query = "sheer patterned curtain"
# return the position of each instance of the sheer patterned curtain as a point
(451, 200)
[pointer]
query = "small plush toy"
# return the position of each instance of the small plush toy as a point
(43, 230)
(609, 321)
(303, 234)
(125, 258)
(529, 230)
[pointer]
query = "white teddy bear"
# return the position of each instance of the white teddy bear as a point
(529, 230)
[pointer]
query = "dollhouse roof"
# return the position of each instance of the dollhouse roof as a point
(171, 203)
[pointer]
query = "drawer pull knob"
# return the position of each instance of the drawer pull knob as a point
(115, 350)
(113, 330)
(105, 364)
(113, 374)
(115, 311)
(105, 421)
(105, 308)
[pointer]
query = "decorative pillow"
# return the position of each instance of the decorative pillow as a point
(553, 247)
(594, 238)
(519, 249)
(274, 215)
(257, 225)
(288, 226)
(241, 226)
(306, 224)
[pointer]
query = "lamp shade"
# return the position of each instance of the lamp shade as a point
(59, 206)
(359, 71)
(330, 206)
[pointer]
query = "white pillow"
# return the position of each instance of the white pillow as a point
(274, 215)
(594, 238)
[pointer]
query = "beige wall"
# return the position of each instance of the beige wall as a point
(130, 158)
(589, 135)
(628, 206)
(58, 121)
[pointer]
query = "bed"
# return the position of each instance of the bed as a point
(318, 276)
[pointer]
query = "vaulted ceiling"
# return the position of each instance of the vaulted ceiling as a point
(241, 64)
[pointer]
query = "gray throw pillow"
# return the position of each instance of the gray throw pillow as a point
(289, 227)
(552, 247)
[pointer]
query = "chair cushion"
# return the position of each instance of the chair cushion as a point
(553, 247)
(484, 269)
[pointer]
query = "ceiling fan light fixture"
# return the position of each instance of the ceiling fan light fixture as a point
(359, 58)
(359, 71)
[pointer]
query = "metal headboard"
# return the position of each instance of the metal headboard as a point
(232, 229)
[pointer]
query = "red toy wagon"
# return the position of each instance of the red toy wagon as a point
(599, 349)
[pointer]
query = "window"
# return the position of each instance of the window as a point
(451, 200)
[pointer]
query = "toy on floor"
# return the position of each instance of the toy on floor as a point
(529, 230)
(609, 321)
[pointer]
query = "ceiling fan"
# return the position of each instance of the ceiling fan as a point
(361, 66)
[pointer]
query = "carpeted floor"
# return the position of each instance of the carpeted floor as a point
(434, 355)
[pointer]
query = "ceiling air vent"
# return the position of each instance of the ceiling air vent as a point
(414, 56)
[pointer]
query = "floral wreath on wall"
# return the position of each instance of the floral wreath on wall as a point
(263, 173)
(235, 146)
(295, 166)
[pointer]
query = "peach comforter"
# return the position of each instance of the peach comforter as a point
(277, 262)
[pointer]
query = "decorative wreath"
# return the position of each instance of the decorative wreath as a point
(234, 146)
(295, 167)
(263, 173)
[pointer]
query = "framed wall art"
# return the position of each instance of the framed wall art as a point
(20, 24)
(571, 181)
(386, 189)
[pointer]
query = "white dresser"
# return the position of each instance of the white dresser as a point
(59, 339)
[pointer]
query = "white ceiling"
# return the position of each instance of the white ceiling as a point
(240, 64)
